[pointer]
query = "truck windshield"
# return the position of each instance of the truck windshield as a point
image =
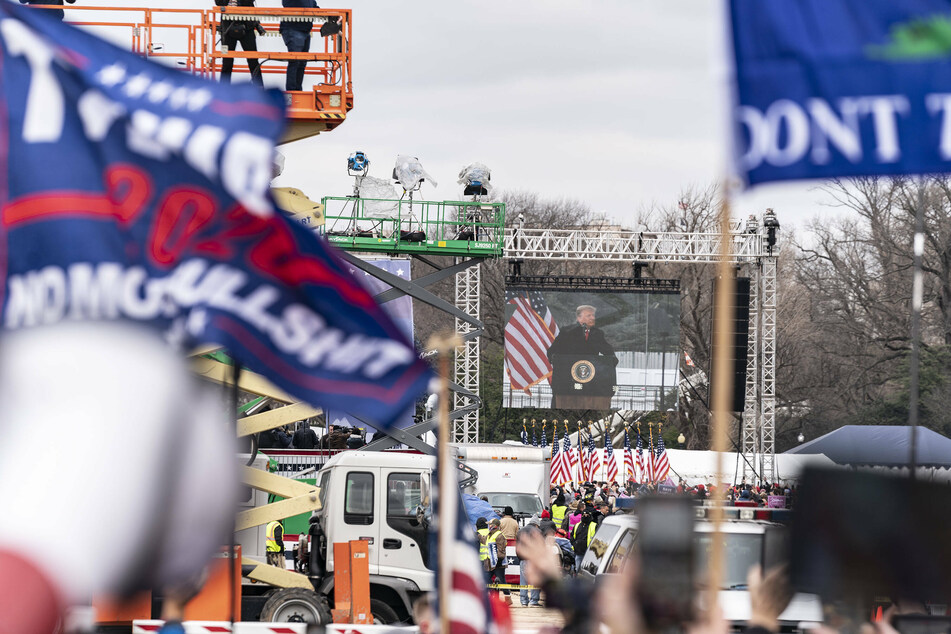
(521, 503)
(742, 551)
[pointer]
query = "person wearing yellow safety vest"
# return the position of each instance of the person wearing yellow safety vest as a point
(497, 571)
(559, 510)
(582, 535)
(274, 540)
(482, 532)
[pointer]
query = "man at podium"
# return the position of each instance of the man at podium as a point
(584, 366)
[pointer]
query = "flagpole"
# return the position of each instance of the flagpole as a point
(448, 479)
(722, 388)
(917, 293)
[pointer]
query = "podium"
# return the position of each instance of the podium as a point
(583, 381)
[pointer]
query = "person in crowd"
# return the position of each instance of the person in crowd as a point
(574, 516)
(581, 536)
(59, 14)
(234, 32)
(509, 524)
(296, 36)
(355, 440)
(423, 613)
(497, 572)
(559, 510)
(546, 524)
(482, 535)
(337, 439)
(528, 598)
(280, 438)
(305, 437)
(274, 543)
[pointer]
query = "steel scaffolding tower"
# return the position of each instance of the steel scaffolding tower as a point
(750, 435)
(768, 376)
(466, 428)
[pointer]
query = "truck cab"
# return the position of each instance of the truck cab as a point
(381, 498)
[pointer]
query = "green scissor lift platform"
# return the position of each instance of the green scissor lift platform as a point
(459, 228)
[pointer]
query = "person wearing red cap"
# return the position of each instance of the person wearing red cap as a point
(547, 525)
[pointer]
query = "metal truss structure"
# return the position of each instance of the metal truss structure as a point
(748, 247)
(466, 429)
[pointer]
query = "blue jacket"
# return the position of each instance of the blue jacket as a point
(303, 27)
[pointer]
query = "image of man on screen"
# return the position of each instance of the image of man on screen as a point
(583, 365)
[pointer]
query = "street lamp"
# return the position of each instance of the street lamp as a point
(800, 437)
(681, 439)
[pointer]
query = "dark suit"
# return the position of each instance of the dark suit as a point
(235, 32)
(57, 13)
(571, 346)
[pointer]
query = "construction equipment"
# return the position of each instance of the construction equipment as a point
(188, 39)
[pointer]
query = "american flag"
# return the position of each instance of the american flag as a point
(610, 464)
(468, 603)
(534, 437)
(524, 435)
(641, 473)
(570, 457)
(545, 440)
(594, 458)
(528, 335)
(554, 472)
(650, 458)
(629, 473)
(661, 465)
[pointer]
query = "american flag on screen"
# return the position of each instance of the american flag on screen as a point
(610, 464)
(528, 335)
(594, 458)
(629, 473)
(641, 467)
(661, 465)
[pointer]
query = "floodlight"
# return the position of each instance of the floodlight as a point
(475, 177)
(358, 164)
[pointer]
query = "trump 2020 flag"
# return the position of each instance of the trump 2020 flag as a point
(828, 88)
(134, 191)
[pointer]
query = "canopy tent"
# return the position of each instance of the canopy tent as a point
(879, 445)
(699, 467)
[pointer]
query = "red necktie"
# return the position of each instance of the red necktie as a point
(586, 334)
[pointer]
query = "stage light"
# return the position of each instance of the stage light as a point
(409, 173)
(475, 177)
(358, 164)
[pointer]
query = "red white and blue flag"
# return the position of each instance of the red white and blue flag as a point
(661, 464)
(594, 459)
(133, 191)
(610, 464)
(642, 475)
(468, 602)
(570, 459)
(555, 469)
(528, 334)
(629, 473)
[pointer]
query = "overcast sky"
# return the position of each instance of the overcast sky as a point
(616, 103)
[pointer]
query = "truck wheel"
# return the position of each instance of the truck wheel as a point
(296, 605)
(383, 614)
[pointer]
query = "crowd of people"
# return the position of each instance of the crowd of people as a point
(305, 437)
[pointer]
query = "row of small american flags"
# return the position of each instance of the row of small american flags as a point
(584, 463)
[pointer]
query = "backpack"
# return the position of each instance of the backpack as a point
(580, 541)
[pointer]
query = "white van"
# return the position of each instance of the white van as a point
(747, 543)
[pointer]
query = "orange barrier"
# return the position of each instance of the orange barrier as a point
(352, 583)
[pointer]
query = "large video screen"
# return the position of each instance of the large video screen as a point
(591, 350)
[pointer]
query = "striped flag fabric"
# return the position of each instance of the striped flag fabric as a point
(610, 464)
(544, 439)
(629, 473)
(524, 435)
(528, 334)
(641, 473)
(555, 470)
(650, 458)
(661, 464)
(594, 458)
(468, 602)
(534, 436)
(570, 457)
